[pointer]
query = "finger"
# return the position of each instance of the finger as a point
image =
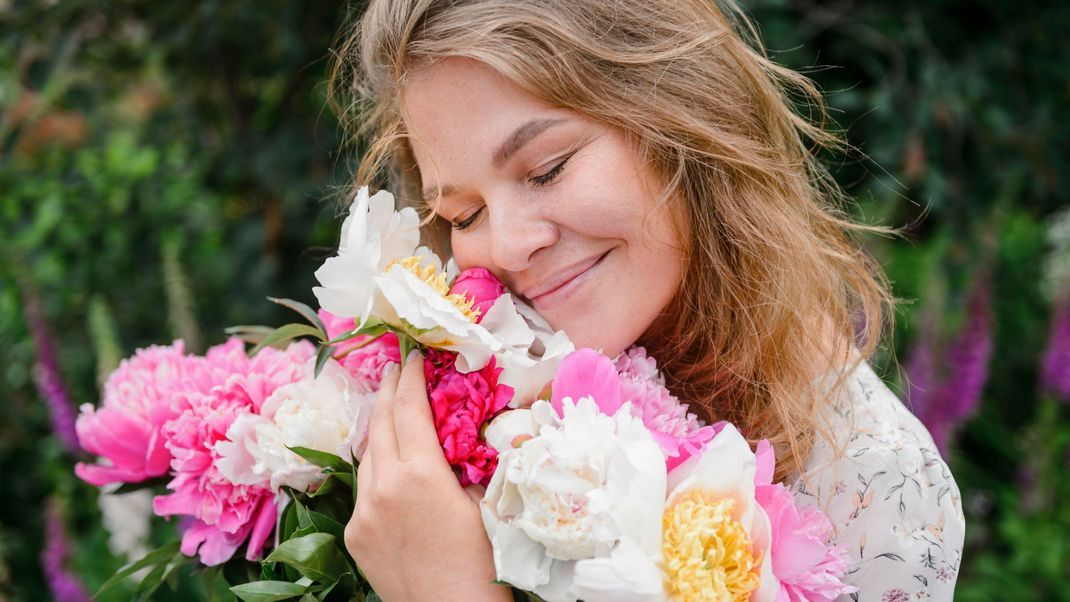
(475, 493)
(413, 423)
(364, 475)
(382, 442)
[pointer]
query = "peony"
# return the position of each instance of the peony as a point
(364, 360)
(714, 538)
(570, 490)
(804, 563)
(125, 429)
(222, 386)
(373, 236)
(462, 404)
(587, 372)
(328, 413)
(480, 287)
(531, 350)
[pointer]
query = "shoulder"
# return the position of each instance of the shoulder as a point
(890, 495)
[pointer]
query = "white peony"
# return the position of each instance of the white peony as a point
(567, 490)
(724, 471)
(373, 236)
(531, 350)
(329, 413)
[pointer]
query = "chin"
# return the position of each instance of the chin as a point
(599, 334)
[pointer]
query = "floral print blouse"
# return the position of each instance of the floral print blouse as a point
(890, 497)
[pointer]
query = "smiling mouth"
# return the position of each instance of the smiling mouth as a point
(565, 288)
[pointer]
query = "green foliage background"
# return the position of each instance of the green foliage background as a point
(165, 166)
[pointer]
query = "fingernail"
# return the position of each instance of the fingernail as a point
(390, 369)
(413, 355)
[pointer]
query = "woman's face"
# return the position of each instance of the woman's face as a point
(555, 205)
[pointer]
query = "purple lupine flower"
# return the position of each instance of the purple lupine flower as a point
(921, 370)
(967, 368)
(1055, 367)
(46, 372)
(64, 585)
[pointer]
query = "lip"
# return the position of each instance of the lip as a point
(564, 283)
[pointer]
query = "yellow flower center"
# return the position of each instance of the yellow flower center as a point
(708, 555)
(438, 282)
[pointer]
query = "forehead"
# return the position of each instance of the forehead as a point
(458, 109)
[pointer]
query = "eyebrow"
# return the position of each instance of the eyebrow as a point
(520, 136)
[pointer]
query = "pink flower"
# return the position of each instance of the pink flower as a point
(365, 363)
(479, 286)
(125, 429)
(223, 385)
(587, 373)
(462, 404)
(807, 567)
(634, 362)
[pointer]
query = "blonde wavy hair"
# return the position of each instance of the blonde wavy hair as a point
(776, 289)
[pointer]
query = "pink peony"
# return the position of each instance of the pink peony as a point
(223, 385)
(125, 429)
(479, 286)
(366, 364)
(462, 404)
(634, 378)
(807, 567)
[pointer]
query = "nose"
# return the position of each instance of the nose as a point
(518, 231)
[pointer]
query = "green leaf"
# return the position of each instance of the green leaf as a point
(159, 556)
(289, 521)
(321, 458)
(250, 334)
(348, 477)
(308, 598)
(268, 591)
(287, 332)
(306, 312)
(146, 484)
(325, 487)
(406, 344)
(325, 524)
(315, 556)
(158, 575)
(373, 327)
(325, 352)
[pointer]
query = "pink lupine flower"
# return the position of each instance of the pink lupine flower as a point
(1055, 366)
(64, 583)
(479, 286)
(587, 373)
(223, 385)
(125, 429)
(365, 363)
(47, 373)
(461, 405)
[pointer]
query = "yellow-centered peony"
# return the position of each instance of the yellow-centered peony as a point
(438, 282)
(708, 554)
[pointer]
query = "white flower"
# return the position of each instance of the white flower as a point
(127, 518)
(724, 471)
(531, 350)
(373, 236)
(568, 489)
(329, 413)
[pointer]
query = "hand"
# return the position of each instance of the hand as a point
(415, 533)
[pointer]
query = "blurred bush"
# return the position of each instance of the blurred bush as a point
(164, 167)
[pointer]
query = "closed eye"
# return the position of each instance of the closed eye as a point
(468, 221)
(549, 176)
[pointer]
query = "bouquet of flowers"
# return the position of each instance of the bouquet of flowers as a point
(600, 485)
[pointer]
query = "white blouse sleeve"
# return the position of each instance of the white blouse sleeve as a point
(892, 500)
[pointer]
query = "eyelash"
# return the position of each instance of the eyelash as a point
(543, 180)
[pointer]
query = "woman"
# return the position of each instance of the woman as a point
(636, 171)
